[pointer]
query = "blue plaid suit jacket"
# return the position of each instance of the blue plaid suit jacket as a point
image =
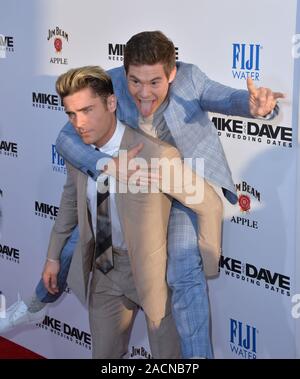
(192, 94)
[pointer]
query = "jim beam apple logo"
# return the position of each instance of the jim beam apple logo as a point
(58, 45)
(57, 36)
(244, 203)
(246, 194)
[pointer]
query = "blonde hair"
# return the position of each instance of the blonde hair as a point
(76, 79)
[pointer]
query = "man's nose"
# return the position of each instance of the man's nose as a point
(145, 91)
(80, 121)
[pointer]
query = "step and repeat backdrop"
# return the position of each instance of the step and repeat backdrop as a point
(255, 301)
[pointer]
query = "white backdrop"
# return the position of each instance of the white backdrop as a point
(251, 300)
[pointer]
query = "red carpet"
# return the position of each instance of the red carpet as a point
(10, 350)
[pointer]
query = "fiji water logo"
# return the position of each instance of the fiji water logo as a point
(246, 61)
(243, 339)
(58, 162)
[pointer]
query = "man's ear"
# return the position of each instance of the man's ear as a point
(172, 75)
(112, 103)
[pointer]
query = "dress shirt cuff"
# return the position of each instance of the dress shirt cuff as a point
(270, 115)
(53, 260)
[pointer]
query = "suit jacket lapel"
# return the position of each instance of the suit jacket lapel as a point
(127, 140)
(81, 264)
(86, 230)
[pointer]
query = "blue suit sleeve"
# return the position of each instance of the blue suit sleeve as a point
(218, 98)
(77, 153)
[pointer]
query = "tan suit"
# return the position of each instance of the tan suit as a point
(144, 220)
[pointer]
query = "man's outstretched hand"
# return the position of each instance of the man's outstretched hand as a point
(261, 100)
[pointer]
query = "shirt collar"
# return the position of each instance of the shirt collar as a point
(113, 145)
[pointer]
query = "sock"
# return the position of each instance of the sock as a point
(34, 304)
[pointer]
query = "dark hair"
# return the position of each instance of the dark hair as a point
(149, 48)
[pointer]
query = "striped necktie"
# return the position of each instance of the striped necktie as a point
(103, 253)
